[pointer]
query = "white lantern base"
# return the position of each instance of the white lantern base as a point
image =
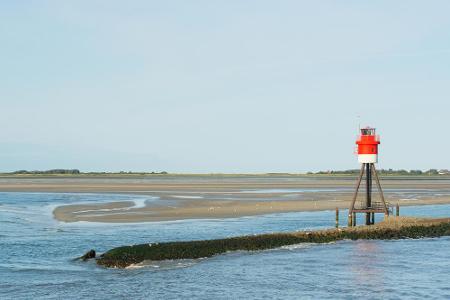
(367, 158)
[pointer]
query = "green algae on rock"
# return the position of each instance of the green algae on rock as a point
(391, 228)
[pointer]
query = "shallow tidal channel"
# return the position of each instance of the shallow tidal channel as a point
(37, 254)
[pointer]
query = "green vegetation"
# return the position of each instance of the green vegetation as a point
(351, 172)
(53, 171)
(124, 256)
(77, 172)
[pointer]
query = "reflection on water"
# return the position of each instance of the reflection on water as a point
(365, 258)
(37, 252)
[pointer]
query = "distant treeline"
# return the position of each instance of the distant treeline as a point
(53, 171)
(389, 172)
(76, 171)
(130, 172)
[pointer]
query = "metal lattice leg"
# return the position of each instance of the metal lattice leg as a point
(351, 215)
(377, 180)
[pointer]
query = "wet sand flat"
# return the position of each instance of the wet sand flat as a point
(215, 196)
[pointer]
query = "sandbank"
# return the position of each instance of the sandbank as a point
(210, 197)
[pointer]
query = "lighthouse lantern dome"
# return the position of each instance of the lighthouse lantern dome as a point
(368, 143)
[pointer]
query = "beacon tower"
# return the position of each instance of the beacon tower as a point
(367, 143)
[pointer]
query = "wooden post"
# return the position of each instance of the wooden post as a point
(397, 210)
(337, 217)
(354, 219)
(350, 221)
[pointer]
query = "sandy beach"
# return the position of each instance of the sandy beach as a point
(204, 197)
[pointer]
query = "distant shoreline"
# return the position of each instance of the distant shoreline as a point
(168, 175)
(348, 172)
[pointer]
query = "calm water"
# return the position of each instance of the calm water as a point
(36, 253)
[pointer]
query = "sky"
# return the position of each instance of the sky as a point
(230, 86)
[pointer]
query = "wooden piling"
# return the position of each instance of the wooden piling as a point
(350, 221)
(337, 217)
(397, 210)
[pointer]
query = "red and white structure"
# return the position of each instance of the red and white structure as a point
(367, 142)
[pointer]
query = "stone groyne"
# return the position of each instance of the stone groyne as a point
(391, 228)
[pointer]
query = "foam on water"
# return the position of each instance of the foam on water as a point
(297, 246)
(165, 264)
(142, 202)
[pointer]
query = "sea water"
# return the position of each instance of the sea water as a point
(36, 258)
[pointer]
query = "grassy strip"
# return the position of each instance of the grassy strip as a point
(124, 256)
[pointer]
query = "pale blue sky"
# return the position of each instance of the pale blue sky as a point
(222, 86)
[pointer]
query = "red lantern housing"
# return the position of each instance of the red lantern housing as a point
(368, 143)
